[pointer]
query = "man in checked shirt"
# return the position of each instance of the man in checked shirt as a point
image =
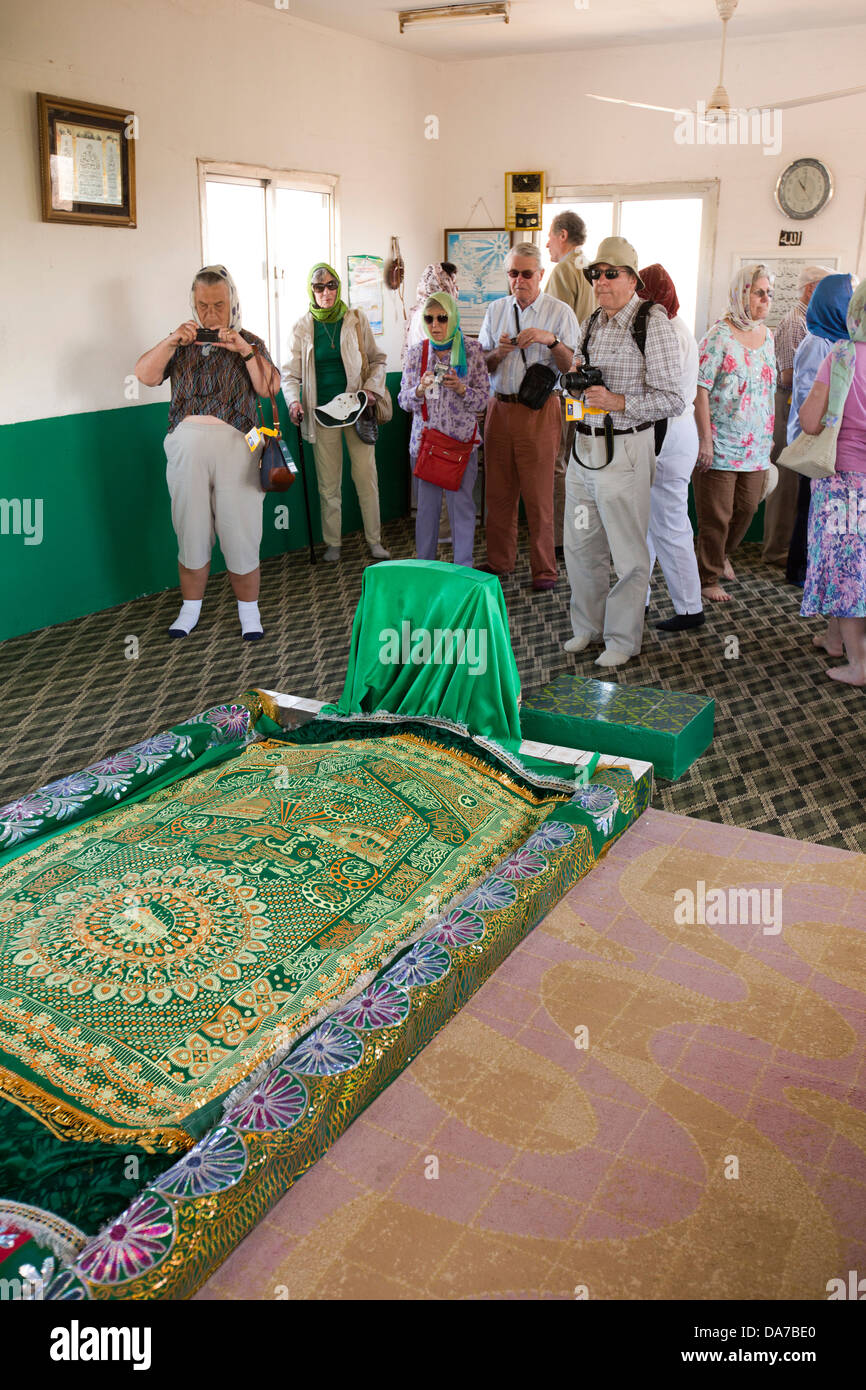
(608, 502)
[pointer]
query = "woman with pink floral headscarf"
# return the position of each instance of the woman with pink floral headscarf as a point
(435, 278)
(734, 413)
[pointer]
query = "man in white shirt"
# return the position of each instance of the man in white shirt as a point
(520, 444)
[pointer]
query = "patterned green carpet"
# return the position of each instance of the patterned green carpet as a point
(787, 756)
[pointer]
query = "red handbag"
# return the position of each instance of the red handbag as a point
(441, 459)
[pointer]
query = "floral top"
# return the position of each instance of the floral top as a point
(446, 411)
(741, 383)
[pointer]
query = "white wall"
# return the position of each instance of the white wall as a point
(214, 79)
(232, 81)
(532, 113)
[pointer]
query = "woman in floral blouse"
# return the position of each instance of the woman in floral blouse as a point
(448, 373)
(734, 411)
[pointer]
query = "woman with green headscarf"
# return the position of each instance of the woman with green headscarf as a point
(448, 375)
(333, 357)
(836, 565)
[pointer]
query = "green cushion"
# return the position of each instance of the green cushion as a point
(667, 728)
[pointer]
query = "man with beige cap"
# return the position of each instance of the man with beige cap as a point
(780, 511)
(607, 487)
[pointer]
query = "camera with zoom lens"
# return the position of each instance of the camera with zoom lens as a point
(574, 383)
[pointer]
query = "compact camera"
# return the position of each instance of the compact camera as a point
(574, 383)
(207, 335)
(440, 369)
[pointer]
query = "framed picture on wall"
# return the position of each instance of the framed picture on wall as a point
(478, 253)
(87, 158)
(786, 270)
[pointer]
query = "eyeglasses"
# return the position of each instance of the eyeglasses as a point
(521, 274)
(613, 274)
(326, 285)
(763, 294)
(435, 318)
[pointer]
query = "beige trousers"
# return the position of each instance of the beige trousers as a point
(607, 513)
(328, 453)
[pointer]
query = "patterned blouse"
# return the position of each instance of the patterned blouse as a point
(448, 412)
(741, 383)
(215, 383)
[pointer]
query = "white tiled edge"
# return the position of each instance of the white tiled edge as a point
(551, 752)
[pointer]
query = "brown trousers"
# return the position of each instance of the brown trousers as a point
(519, 455)
(780, 513)
(725, 503)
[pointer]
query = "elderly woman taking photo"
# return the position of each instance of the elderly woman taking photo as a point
(334, 354)
(445, 379)
(836, 569)
(212, 475)
(734, 412)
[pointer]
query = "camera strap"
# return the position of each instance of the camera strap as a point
(608, 423)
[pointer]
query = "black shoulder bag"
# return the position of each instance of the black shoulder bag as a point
(538, 380)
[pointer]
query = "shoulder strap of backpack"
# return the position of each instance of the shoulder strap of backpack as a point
(638, 324)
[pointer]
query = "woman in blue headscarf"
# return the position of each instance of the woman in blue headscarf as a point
(825, 325)
(836, 573)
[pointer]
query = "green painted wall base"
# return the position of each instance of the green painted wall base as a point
(665, 727)
(106, 522)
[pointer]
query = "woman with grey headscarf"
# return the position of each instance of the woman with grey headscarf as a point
(734, 411)
(212, 474)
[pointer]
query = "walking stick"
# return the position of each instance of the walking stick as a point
(306, 494)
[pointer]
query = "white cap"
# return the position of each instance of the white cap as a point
(811, 274)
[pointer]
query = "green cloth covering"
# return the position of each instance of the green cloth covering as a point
(431, 640)
(451, 659)
(330, 372)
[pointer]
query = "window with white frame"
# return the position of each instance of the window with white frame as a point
(672, 224)
(268, 227)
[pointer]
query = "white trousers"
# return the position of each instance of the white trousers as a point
(670, 532)
(328, 453)
(606, 518)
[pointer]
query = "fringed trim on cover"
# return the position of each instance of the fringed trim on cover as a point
(516, 764)
(60, 1237)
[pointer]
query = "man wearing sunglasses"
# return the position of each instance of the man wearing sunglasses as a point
(520, 444)
(607, 487)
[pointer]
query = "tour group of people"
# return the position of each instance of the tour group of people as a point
(604, 482)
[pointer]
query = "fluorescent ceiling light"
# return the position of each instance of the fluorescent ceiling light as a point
(455, 14)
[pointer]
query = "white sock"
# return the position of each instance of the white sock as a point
(251, 621)
(187, 617)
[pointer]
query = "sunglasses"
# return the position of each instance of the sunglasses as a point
(521, 274)
(326, 285)
(596, 274)
(435, 318)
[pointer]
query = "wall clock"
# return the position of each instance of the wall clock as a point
(804, 189)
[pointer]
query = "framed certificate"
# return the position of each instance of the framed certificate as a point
(87, 157)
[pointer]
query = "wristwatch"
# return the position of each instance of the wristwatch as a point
(554, 344)
(250, 355)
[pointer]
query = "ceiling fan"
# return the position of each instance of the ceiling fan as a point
(719, 104)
